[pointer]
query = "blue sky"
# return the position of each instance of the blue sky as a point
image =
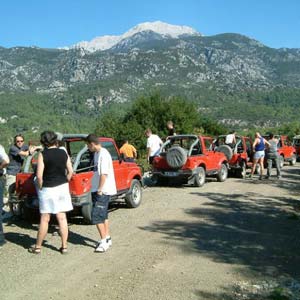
(55, 23)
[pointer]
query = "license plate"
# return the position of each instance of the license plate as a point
(171, 174)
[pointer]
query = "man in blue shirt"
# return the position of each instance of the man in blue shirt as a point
(17, 153)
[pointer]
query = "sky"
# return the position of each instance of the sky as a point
(58, 23)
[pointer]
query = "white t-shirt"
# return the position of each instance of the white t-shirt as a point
(3, 155)
(104, 166)
(154, 142)
(229, 138)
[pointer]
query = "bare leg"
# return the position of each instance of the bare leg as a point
(63, 228)
(254, 166)
(43, 229)
(261, 162)
(103, 229)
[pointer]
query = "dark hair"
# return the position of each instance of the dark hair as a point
(271, 135)
(148, 131)
(48, 138)
(92, 138)
(18, 135)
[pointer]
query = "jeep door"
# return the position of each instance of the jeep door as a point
(120, 167)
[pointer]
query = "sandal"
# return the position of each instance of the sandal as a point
(34, 250)
(63, 250)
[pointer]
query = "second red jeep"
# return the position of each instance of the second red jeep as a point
(189, 159)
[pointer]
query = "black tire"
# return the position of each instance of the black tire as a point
(242, 171)
(223, 173)
(28, 214)
(176, 157)
(134, 197)
(281, 161)
(86, 210)
(293, 160)
(199, 178)
(226, 150)
(161, 181)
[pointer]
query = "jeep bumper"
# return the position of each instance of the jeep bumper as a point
(181, 174)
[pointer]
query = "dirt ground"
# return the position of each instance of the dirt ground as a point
(181, 243)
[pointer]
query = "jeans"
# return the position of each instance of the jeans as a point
(1, 206)
(270, 159)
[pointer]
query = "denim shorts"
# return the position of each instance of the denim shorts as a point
(259, 154)
(100, 208)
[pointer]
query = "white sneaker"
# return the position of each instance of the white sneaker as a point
(109, 242)
(102, 247)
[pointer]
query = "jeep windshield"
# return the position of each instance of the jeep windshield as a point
(187, 142)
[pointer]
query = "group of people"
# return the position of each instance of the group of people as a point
(261, 149)
(268, 148)
(54, 171)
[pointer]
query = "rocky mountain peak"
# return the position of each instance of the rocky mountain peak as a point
(159, 28)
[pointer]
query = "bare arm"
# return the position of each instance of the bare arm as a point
(24, 153)
(267, 143)
(148, 153)
(4, 163)
(69, 169)
(101, 183)
(40, 171)
(254, 144)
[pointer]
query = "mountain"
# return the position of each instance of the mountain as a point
(163, 29)
(233, 78)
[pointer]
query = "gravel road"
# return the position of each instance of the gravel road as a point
(181, 243)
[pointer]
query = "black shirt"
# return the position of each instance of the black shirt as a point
(55, 161)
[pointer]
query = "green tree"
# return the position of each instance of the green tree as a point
(153, 112)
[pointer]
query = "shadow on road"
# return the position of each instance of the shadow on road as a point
(241, 229)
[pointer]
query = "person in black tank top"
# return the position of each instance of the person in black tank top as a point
(55, 161)
(54, 170)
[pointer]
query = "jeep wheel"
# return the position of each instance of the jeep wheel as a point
(86, 210)
(293, 160)
(281, 161)
(199, 178)
(176, 157)
(223, 173)
(226, 150)
(134, 197)
(27, 213)
(242, 171)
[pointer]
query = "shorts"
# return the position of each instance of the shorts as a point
(259, 154)
(100, 208)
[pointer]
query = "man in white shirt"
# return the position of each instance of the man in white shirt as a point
(153, 145)
(103, 186)
(230, 139)
(4, 161)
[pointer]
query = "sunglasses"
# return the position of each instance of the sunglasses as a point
(20, 141)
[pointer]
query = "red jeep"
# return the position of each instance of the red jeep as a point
(128, 177)
(188, 159)
(296, 144)
(286, 151)
(239, 156)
